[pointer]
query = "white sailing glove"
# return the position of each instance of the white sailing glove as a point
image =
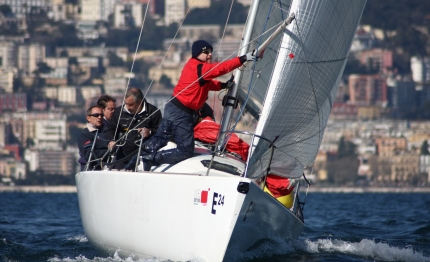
(250, 56)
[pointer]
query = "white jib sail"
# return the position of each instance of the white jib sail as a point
(305, 71)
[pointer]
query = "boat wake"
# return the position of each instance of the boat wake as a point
(294, 250)
(366, 248)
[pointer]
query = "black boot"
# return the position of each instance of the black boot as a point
(148, 161)
(131, 165)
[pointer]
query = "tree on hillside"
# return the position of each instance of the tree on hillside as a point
(425, 148)
(217, 13)
(345, 148)
(344, 168)
(393, 15)
(411, 40)
(166, 81)
(39, 81)
(5, 10)
(402, 17)
(115, 60)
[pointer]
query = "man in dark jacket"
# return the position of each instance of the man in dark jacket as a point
(129, 123)
(87, 137)
(189, 95)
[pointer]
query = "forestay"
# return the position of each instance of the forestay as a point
(291, 89)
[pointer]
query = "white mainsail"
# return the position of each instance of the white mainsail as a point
(294, 102)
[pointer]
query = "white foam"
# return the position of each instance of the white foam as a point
(79, 238)
(365, 248)
(115, 258)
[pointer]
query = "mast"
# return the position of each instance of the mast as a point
(232, 93)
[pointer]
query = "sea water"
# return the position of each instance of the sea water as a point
(338, 227)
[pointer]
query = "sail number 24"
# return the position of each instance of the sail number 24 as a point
(218, 199)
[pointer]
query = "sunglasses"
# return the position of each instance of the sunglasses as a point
(207, 52)
(97, 115)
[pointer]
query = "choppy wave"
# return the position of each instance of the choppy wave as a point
(79, 238)
(366, 248)
(355, 227)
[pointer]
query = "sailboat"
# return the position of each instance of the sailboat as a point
(213, 206)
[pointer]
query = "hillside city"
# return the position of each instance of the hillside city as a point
(57, 57)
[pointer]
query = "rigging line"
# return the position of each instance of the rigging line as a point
(150, 85)
(131, 70)
(248, 95)
(225, 29)
(312, 84)
(228, 57)
(184, 90)
(252, 74)
(165, 55)
(220, 44)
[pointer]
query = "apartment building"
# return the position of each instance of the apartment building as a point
(29, 56)
(11, 168)
(8, 51)
(389, 146)
(377, 58)
(13, 102)
(420, 67)
(35, 128)
(7, 76)
(56, 162)
(174, 11)
(22, 7)
(368, 90)
(59, 71)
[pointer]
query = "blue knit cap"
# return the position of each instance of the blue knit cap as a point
(200, 46)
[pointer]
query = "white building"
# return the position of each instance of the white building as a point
(22, 7)
(58, 10)
(174, 11)
(7, 54)
(68, 94)
(58, 67)
(96, 10)
(91, 10)
(50, 133)
(363, 40)
(88, 61)
(89, 92)
(29, 56)
(64, 94)
(6, 78)
(11, 168)
(199, 3)
(420, 69)
(87, 30)
(31, 156)
(115, 85)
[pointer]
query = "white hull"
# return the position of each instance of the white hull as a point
(166, 215)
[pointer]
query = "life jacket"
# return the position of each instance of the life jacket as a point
(207, 132)
(280, 188)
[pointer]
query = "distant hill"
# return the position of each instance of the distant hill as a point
(409, 18)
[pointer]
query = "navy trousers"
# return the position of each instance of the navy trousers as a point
(176, 125)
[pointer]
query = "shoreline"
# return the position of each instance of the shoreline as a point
(72, 189)
(38, 189)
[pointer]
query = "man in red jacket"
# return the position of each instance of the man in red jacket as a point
(189, 95)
